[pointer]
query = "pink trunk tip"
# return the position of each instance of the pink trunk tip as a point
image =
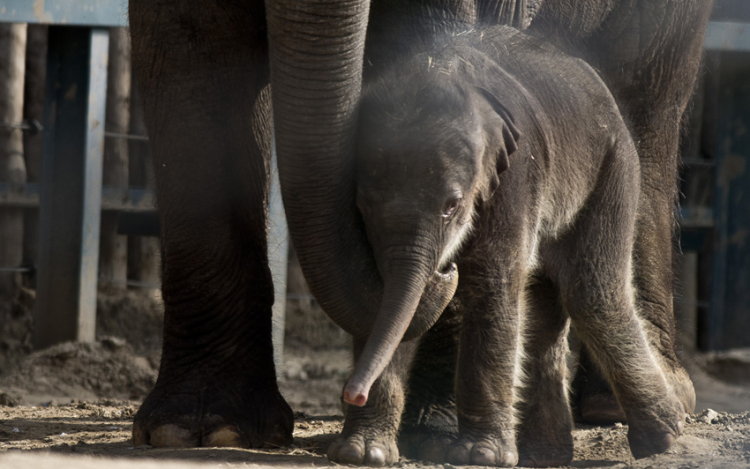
(354, 395)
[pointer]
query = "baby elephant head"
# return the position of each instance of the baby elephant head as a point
(429, 152)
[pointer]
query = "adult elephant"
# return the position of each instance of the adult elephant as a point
(204, 68)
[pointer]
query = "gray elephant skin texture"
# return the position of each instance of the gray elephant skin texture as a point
(204, 68)
(495, 141)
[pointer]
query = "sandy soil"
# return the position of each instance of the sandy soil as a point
(98, 435)
(72, 405)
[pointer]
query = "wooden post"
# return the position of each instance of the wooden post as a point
(12, 165)
(144, 252)
(113, 254)
(33, 108)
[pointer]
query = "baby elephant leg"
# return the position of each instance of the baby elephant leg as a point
(546, 423)
(597, 293)
(614, 336)
(370, 431)
(486, 377)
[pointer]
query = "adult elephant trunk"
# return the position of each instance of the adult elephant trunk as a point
(316, 51)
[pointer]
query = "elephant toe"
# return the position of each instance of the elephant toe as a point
(346, 452)
(359, 451)
(481, 453)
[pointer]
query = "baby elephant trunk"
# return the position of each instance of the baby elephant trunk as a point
(401, 296)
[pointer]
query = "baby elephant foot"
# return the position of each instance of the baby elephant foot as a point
(481, 452)
(655, 435)
(364, 450)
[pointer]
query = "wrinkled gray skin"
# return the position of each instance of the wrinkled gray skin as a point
(204, 69)
(503, 154)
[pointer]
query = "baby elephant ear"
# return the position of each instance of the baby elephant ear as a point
(508, 132)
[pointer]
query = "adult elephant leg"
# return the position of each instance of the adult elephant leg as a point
(429, 422)
(203, 73)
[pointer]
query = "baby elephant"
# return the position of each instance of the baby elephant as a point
(499, 153)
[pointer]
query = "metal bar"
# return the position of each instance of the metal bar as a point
(101, 13)
(727, 36)
(126, 136)
(700, 304)
(698, 162)
(131, 283)
(132, 199)
(70, 200)
(29, 125)
(696, 217)
(16, 269)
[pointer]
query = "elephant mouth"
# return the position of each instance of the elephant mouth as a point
(448, 273)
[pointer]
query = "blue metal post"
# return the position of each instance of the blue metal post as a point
(729, 321)
(71, 185)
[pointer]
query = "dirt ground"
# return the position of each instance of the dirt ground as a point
(72, 405)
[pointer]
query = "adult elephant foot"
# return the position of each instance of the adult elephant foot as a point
(213, 411)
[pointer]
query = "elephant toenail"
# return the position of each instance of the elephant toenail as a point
(483, 456)
(173, 436)
(509, 459)
(350, 454)
(139, 435)
(223, 437)
(375, 457)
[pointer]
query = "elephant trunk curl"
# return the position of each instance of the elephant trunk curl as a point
(316, 82)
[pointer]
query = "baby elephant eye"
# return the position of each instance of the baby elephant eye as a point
(452, 206)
